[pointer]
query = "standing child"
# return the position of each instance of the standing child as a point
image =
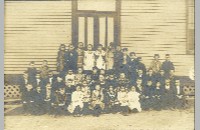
(133, 100)
(86, 97)
(88, 60)
(100, 57)
(156, 64)
(49, 99)
(44, 72)
(61, 58)
(39, 102)
(79, 77)
(70, 76)
(167, 65)
(110, 100)
(110, 58)
(133, 67)
(80, 52)
(32, 72)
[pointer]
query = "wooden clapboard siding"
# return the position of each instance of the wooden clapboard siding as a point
(157, 26)
(33, 32)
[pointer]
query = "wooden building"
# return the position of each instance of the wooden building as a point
(35, 29)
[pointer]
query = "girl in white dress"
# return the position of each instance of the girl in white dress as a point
(100, 58)
(88, 59)
(133, 100)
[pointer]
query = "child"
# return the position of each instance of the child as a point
(76, 105)
(95, 74)
(167, 65)
(140, 65)
(133, 100)
(88, 60)
(100, 57)
(86, 97)
(32, 72)
(155, 64)
(97, 104)
(158, 91)
(142, 76)
(148, 92)
(70, 76)
(178, 95)
(49, 98)
(28, 99)
(139, 86)
(60, 100)
(57, 84)
(44, 72)
(124, 68)
(80, 52)
(133, 67)
(118, 57)
(110, 100)
(110, 58)
(60, 58)
(71, 59)
(123, 81)
(122, 97)
(70, 88)
(150, 76)
(161, 77)
(111, 81)
(39, 102)
(79, 77)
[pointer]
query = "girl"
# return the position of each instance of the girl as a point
(100, 57)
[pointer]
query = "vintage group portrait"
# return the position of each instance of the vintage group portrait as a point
(99, 65)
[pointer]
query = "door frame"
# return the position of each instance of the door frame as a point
(96, 14)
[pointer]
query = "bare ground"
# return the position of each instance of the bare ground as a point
(146, 120)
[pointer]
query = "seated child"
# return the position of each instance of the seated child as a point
(133, 100)
(97, 104)
(110, 100)
(70, 76)
(76, 105)
(122, 98)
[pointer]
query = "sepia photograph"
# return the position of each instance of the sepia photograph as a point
(99, 65)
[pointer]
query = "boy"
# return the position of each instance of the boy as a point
(39, 107)
(167, 98)
(122, 98)
(97, 104)
(179, 99)
(125, 60)
(133, 100)
(167, 65)
(49, 98)
(60, 58)
(44, 72)
(28, 99)
(79, 77)
(60, 101)
(86, 97)
(71, 59)
(118, 57)
(111, 81)
(161, 77)
(158, 91)
(70, 76)
(140, 65)
(57, 84)
(110, 100)
(76, 105)
(122, 80)
(95, 74)
(141, 75)
(150, 76)
(139, 87)
(70, 88)
(133, 67)
(155, 64)
(32, 72)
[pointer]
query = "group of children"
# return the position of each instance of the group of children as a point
(101, 81)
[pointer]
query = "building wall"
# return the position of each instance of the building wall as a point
(151, 27)
(35, 29)
(33, 32)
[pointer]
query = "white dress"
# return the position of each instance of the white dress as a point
(133, 101)
(88, 60)
(100, 59)
(77, 100)
(122, 98)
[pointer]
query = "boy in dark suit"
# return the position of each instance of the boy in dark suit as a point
(32, 72)
(133, 67)
(71, 58)
(167, 65)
